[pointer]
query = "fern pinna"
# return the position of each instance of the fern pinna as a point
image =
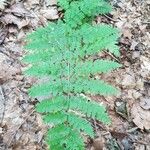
(62, 52)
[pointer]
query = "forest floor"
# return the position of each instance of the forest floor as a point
(21, 128)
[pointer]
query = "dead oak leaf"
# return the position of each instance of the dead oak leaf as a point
(127, 33)
(18, 9)
(11, 19)
(140, 117)
(50, 2)
(50, 14)
(145, 103)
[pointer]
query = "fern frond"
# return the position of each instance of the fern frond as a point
(55, 118)
(78, 104)
(93, 87)
(80, 124)
(76, 122)
(63, 53)
(98, 38)
(53, 87)
(65, 138)
(93, 67)
(50, 106)
(90, 109)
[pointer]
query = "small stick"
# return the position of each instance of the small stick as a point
(3, 103)
(113, 56)
(110, 18)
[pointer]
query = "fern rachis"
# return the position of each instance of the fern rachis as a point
(62, 52)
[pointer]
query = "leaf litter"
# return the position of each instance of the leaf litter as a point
(132, 18)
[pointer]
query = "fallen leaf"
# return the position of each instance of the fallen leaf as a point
(2, 4)
(50, 14)
(11, 19)
(33, 3)
(23, 23)
(127, 33)
(146, 63)
(133, 45)
(6, 70)
(18, 9)
(140, 116)
(128, 80)
(50, 2)
(3, 34)
(145, 103)
(121, 108)
(2, 105)
(98, 144)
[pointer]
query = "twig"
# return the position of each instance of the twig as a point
(15, 132)
(146, 22)
(112, 56)
(110, 18)
(3, 103)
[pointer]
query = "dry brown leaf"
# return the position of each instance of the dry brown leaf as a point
(146, 63)
(127, 33)
(145, 103)
(6, 71)
(98, 144)
(18, 9)
(133, 45)
(32, 3)
(140, 116)
(50, 2)
(3, 34)
(50, 14)
(11, 19)
(23, 23)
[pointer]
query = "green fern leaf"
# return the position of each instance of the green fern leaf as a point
(75, 121)
(91, 109)
(62, 52)
(93, 87)
(50, 106)
(98, 66)
(63, 137)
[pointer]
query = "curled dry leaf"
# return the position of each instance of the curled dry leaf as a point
(140, 117)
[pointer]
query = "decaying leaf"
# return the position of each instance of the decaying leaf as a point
(145, 103)
(50, 2)
(121, 108)
(11, 19)
(2, 4)
(140, 117)
(18, 9)
(50, 14)
(146, 63)
(98, 144)
(3, 34)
